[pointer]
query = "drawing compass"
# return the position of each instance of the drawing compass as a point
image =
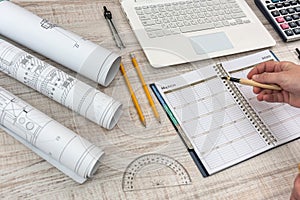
(117, 38)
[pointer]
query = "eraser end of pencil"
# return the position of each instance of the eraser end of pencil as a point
(132, 55)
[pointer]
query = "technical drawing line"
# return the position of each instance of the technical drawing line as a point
(59, 86)
(49, 139)
(76, 53)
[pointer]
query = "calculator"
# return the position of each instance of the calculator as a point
(284, 15)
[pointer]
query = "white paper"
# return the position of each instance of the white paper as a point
(218, 129)
(61, 147)
(59, 86)
(62, 46)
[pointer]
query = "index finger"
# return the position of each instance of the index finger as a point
(268, 66)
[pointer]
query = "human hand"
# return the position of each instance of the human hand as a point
(295, 195)
(285, 74)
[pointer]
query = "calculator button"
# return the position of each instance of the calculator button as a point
(295, 16)
(292, 24)
(291, 10)
(296, 31)
(293, 3)
(279, 5)
(271, 7)
(275, 13)
(289, 32)
(288, 18)
(280, 19)
(285, 17)
(284, 26)
(283, 12)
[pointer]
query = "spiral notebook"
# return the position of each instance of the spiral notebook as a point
(222, 123)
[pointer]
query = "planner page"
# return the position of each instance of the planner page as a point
(283, 120)
(216, 126)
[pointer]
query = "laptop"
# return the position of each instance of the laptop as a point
(172, 32)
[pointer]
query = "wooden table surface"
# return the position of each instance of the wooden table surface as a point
(24, 175)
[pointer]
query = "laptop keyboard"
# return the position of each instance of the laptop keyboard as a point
(165, 19)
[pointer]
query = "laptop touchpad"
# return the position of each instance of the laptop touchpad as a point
(210, 43)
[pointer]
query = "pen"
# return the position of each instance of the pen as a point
(252, 83)
(151, 102)
(133, 97)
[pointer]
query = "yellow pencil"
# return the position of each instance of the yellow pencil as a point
(252, 83)
(133, 97)
(151, 102)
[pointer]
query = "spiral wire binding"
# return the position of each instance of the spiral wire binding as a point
(249, 112)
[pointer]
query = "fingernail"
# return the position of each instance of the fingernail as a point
(254, 77)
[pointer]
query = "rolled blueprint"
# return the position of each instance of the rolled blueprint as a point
(62, 46)
(64, 149)
(59, 86)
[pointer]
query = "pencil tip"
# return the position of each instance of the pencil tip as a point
(224, 77)
(144, 123)
(158, 119)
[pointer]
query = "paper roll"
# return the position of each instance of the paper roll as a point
(59, 86)
(70, 153)
(62, 46)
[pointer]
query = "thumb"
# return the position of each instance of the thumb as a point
(266, 77)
